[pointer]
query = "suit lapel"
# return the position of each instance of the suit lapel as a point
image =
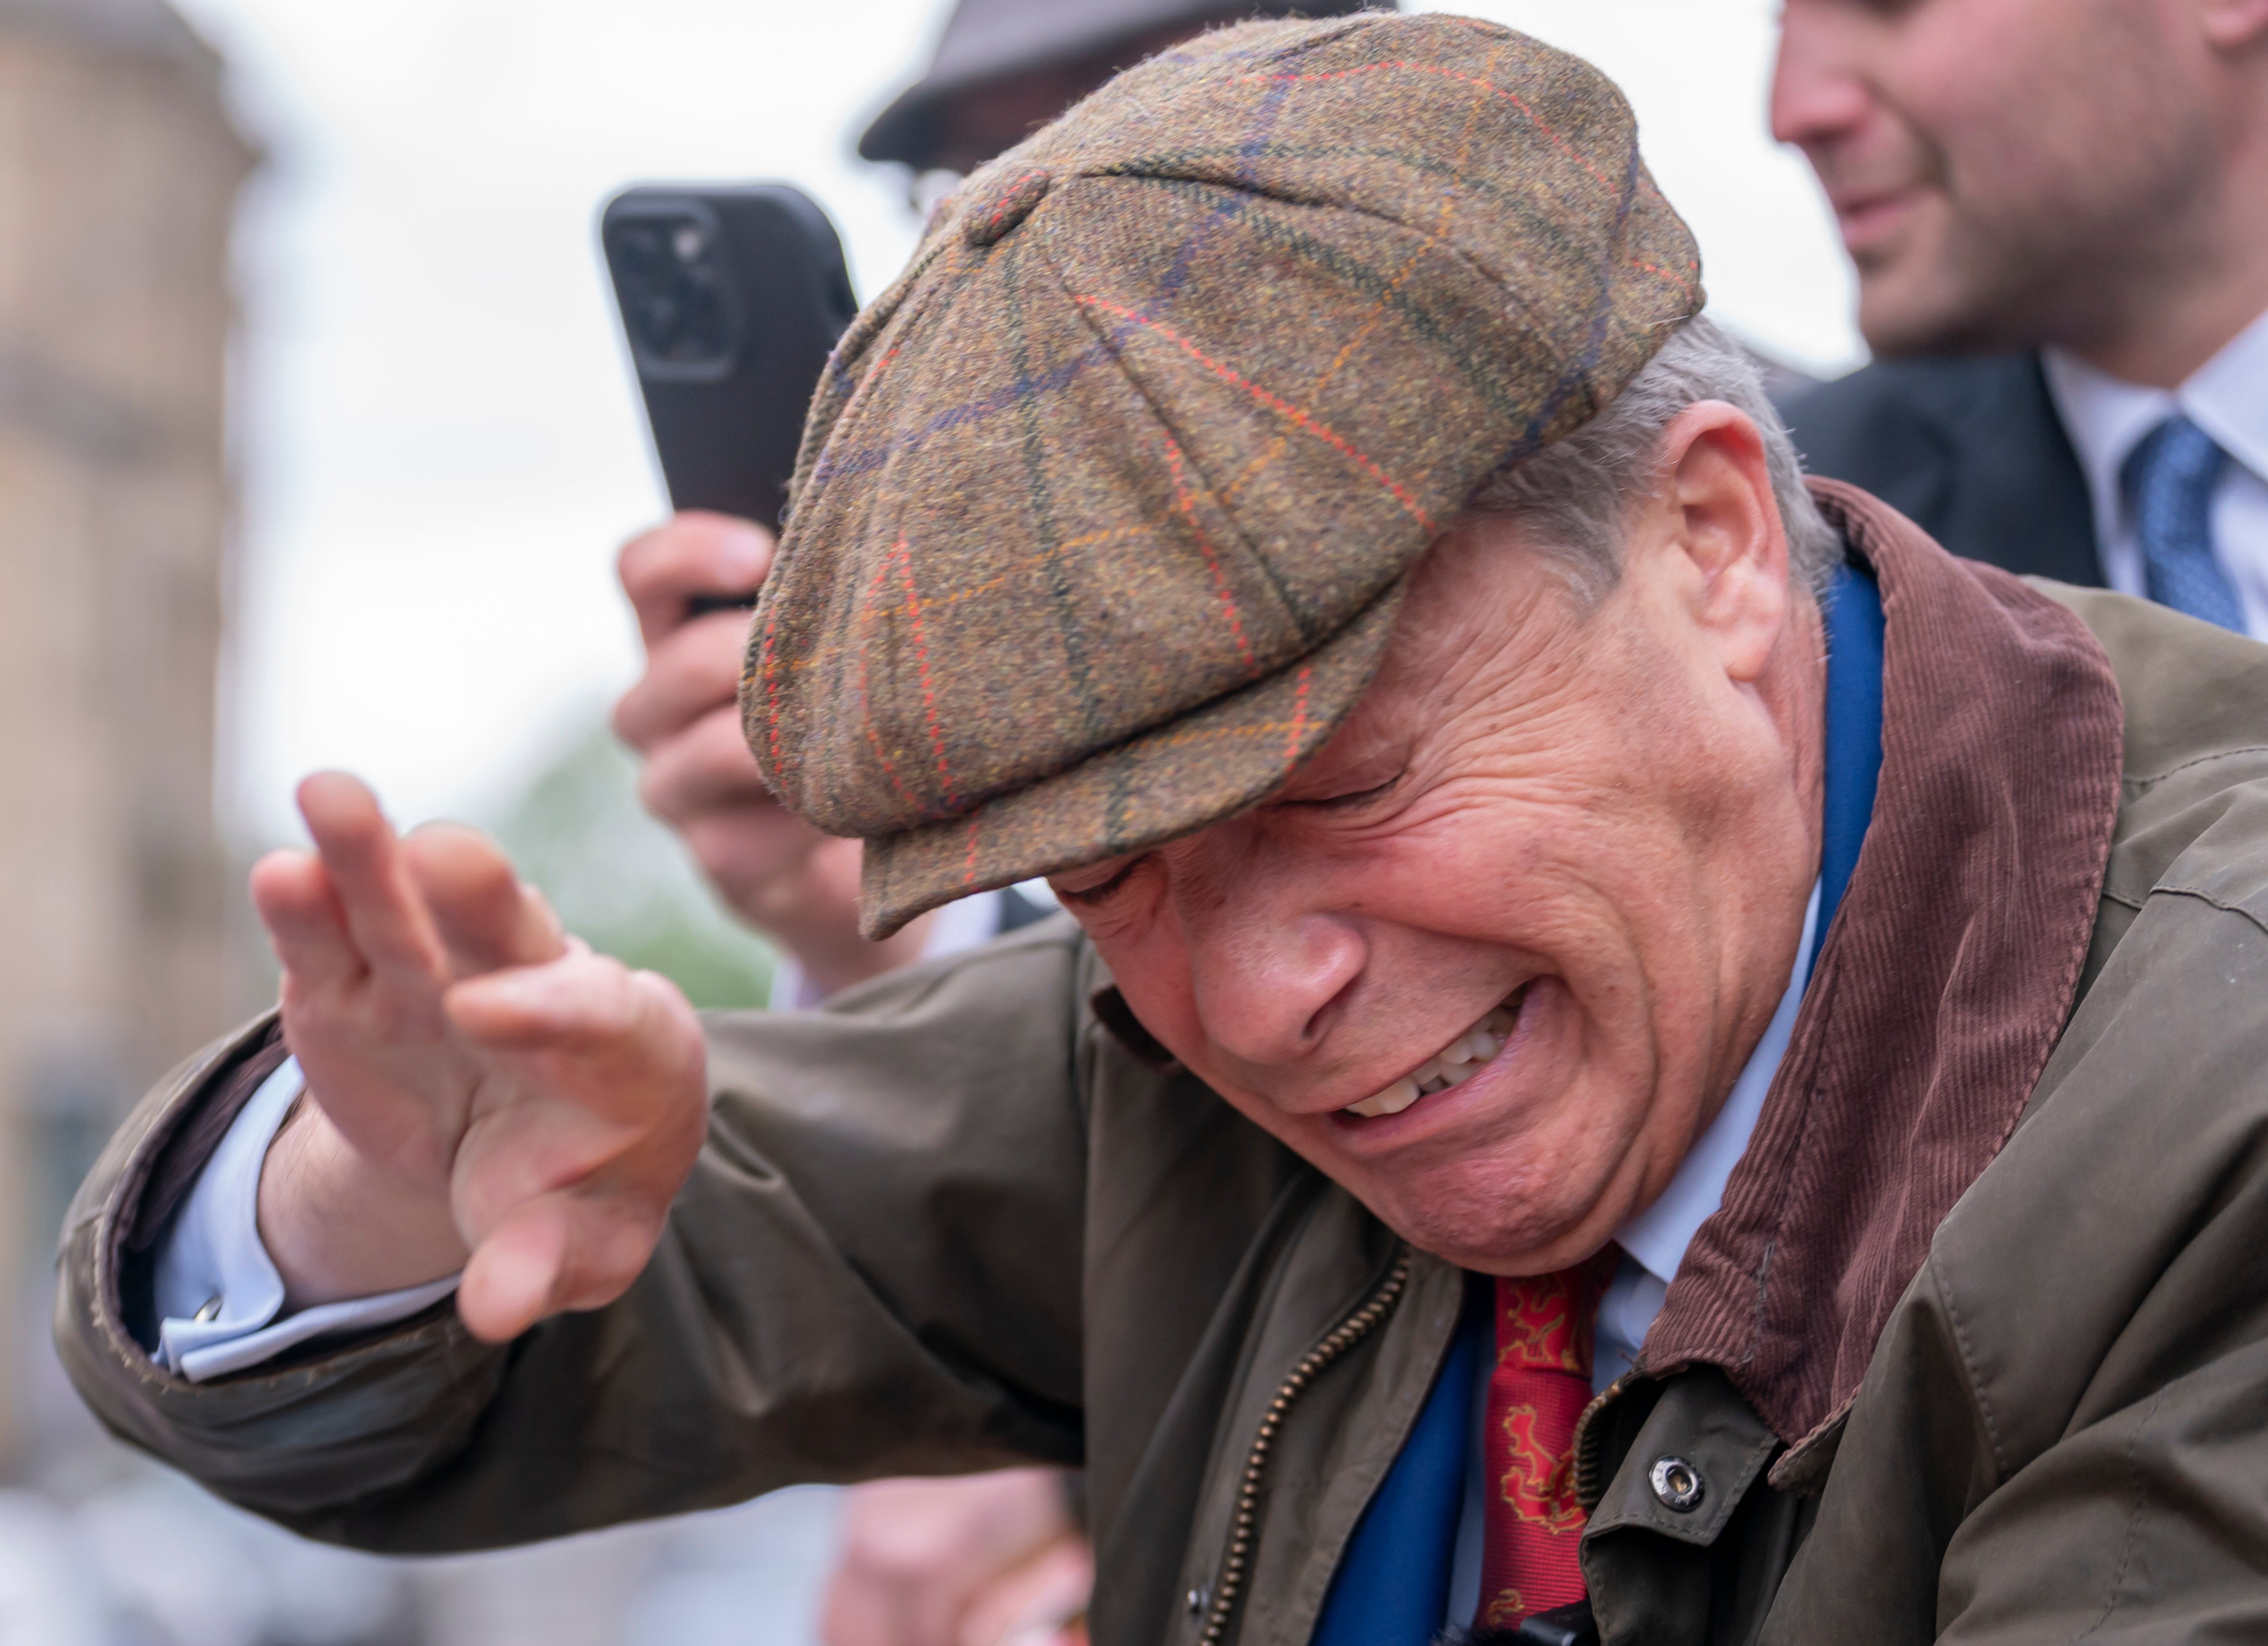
(2012, 489)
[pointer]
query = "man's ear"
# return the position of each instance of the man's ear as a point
(1724, 519)
(2234, 24)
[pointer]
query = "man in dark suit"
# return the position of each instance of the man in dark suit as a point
(1969, 447)
(2059, 219)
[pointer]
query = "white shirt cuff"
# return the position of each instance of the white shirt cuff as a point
(219, 1292)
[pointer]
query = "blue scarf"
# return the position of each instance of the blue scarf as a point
(1392, 1586)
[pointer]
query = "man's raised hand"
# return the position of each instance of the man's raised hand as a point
(484, 1092)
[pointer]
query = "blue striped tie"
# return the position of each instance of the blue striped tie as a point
(2169, 482)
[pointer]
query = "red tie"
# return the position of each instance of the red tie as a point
(1532, 1523)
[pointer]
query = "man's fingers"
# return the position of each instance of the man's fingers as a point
(689, 673)
(705, 765)
(1033, 1603)
(695, 554)
(859, 1613)
(581, 1003)
(484, 915)
(516, 1273)
(571, 1248)
(385, 916)
(291, 891)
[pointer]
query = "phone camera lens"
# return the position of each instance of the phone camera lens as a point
(671, 292)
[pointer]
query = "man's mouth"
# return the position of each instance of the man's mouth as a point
(1454, 1063)
(1865, 216)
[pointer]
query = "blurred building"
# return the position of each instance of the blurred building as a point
(119, 172)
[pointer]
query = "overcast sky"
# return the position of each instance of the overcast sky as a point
(439, 442)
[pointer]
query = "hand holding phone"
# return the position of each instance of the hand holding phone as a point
(776, 872)
(731, 298)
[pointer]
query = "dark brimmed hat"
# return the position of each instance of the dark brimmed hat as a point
(988, 41)
(1105, 507)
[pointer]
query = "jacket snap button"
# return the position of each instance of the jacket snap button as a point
(1678, 1484)
(1199, 1600)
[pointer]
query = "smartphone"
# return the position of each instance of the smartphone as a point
(731, 298)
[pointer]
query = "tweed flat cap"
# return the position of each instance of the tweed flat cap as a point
(1105, 507)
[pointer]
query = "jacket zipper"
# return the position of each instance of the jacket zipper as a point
(1242, 1533)
(1589, 1487)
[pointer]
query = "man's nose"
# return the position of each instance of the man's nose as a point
(1817, 98)
(1267, 974)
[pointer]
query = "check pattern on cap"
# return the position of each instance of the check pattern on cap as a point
(1104, 508)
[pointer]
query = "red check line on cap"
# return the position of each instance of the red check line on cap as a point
(770, 672)
(874, 373)
(1298, 715)
(1513, 97)
(1280, 408)
(1008, 196)
(1188, 506)
(1683, 283)
(866, 709)
(921, 655)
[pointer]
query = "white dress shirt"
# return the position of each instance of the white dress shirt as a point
(2228, 398)
(218, 1291)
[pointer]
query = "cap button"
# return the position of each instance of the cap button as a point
(986, 220)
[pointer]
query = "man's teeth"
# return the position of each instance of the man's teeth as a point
(1454, 1063)
(1392, 1100)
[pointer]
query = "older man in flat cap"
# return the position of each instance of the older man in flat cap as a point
(1642, 1054)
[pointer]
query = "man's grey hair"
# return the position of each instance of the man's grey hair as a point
(1574, 496)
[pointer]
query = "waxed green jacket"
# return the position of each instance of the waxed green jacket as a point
(1976, 1347)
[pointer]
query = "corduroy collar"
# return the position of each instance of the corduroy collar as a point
(1941, 986)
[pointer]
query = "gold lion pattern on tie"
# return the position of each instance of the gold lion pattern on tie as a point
(1532, 1523)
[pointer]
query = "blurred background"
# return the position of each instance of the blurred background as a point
(317, 441)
